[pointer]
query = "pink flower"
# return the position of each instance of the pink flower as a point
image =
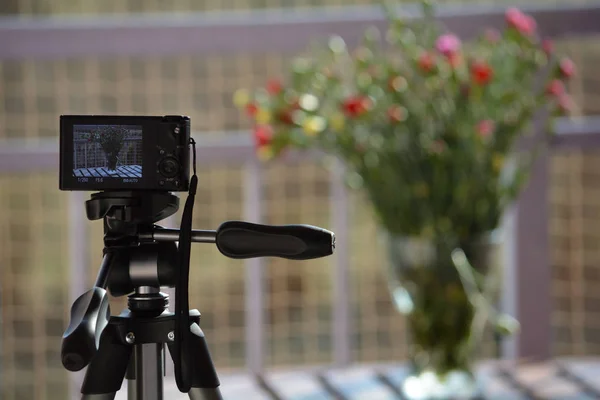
(513, 15)
(485, 128)
(547, 46)
(454, 60)
(565, 103)
(567, 67)
(555, 88)
(520, 21)
(492, 35)
(448, 44)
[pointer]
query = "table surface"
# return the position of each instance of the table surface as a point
(561, 379)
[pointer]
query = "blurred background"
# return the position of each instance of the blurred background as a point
(335, 310)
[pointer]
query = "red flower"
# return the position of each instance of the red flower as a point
(396, 113)
(481, 72)
(274, 87)
(438, 146)
(567, 68)
(251, 109)
(291, 105)
(485, 128)
(285, 116)
(356, 105)
(547, 46)
(263, 135)
(520, 21)
(465, 90)
(426, 62)
(555, 88)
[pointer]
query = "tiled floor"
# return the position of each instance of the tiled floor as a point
(565, 379)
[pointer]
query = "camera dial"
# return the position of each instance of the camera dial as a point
(168, 167)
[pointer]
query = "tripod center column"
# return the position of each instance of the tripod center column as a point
(149, 371)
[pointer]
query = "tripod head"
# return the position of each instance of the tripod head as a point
(123, 211)
(141, 257)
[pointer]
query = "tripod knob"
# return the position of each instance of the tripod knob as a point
(89, 316)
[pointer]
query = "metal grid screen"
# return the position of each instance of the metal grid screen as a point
(29, 7)
(574, 222)
(35, 286)
(575, 202)
(42, 7)
(299, 293)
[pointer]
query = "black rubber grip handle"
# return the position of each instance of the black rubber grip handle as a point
(238, 239)
(89, 316)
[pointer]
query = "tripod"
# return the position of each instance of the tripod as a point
(139, 258)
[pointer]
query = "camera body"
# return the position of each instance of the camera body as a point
(104, 152)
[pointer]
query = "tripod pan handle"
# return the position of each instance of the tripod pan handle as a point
(89, 316)
(238, 239)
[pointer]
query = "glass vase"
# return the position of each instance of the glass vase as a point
(445, 289)
(112, 160)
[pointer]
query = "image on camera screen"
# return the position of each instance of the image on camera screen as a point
(107, 151)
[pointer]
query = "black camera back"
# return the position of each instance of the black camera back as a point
(102, 152)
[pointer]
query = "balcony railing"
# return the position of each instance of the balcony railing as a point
(266, 31)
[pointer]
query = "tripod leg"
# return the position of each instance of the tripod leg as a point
(130, 376)
(105, 373)
(205, 383)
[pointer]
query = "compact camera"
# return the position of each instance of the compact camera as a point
(101, 152)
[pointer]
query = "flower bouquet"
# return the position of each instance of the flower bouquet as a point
(427, 126)
(111, 139)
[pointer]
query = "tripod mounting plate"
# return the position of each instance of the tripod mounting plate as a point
(132, 207)
(148, 329)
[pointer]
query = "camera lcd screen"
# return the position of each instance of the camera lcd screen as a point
(107, 152)
(121, 152)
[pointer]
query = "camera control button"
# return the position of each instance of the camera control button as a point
(169, 167)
